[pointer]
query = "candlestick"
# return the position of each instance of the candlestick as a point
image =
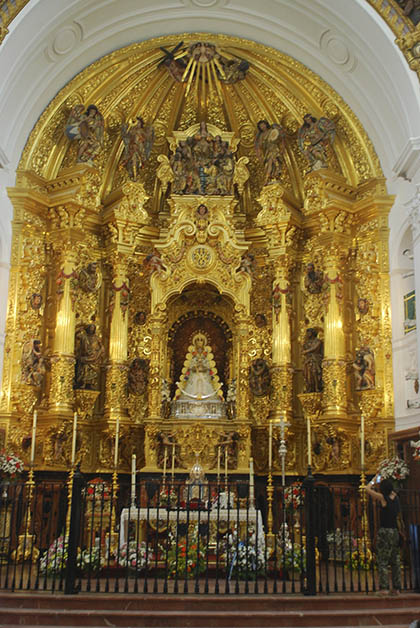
(308, 426)
(362, 441)
(251, 482)
(270, 445)
(218, 464)
(117, 440)
(33, 437)
(133, 479)
(73, 444)
(173, 462)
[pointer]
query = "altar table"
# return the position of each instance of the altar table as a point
(244, 518)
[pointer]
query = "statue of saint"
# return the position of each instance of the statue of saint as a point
(138, 142)
(89, 352)
(269, 146)
(314, 279)
(314, 137)
(313, 351)
(87, 127)
(199, 380)
(259, 378)
(137, 377)
(364, 369)
(33, 363)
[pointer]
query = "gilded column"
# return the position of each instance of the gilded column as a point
(278, 219)
(334, 364)
(65, 237)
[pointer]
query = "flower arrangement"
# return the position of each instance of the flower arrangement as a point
(339, 543)
(10, 464)
(168, 497)
(98, 488)
(244, 558)
(294, 557)
(134, 555)
(91, 559)
(359, 560)
(186, 560)
(293, 495)
(54, 560)
(394, 469)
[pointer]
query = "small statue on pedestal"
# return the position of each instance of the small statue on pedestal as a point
(196, 492)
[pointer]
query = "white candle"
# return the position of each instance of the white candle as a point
(218, 463)
(226, 465)
(117, 439)
(73, 444)
(308, 426)
(251, 482)
(133, 477)
(270, 446)
(173, 461)
(165, 458)
(33, 437)
(362, 440)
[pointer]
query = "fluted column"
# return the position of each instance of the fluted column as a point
(117, 367)
(157, 324)
(334, 365)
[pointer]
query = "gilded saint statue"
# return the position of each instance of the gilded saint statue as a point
(33, 363)
(88, 128)
(269, 146)
(89, 352)
(138, 142)
(364, 369)
(314, 137)
(313, 352)
(199, 391)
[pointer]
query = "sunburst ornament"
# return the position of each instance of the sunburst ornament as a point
(203, 66)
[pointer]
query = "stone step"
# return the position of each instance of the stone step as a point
(210, 618)
(143, 602)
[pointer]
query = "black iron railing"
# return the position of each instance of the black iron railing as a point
(194, 538)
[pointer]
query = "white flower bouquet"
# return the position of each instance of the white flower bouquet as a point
(134, 555)
(10, 464)
(393, 469)
(244, 558)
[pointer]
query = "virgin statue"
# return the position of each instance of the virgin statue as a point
(199, 392)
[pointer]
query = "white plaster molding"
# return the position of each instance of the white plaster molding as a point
(413, 209)
(407, 165)
(4, 161)
(64, 41)
(337, 50)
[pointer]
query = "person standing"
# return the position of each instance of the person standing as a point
(387, 540)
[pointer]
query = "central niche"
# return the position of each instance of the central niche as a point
(203, 309)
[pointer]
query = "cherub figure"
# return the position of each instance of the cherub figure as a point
(154, 263)
(247, 264)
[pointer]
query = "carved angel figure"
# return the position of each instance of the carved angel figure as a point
(269, 146)
(154, 263)
(87, 127)
(138, 142)
(33, 363)
(314, 136)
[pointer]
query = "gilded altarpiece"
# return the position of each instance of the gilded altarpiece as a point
(271, 273)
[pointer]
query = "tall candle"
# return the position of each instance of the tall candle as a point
(117, 440)
(165, 459)
(362, 440)
(270, 446)
(33, 437)
(173, 461)
(73, 444)
(308, 426)
(133, 478)
(226, 465)
(251, 482)
(218, 463)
